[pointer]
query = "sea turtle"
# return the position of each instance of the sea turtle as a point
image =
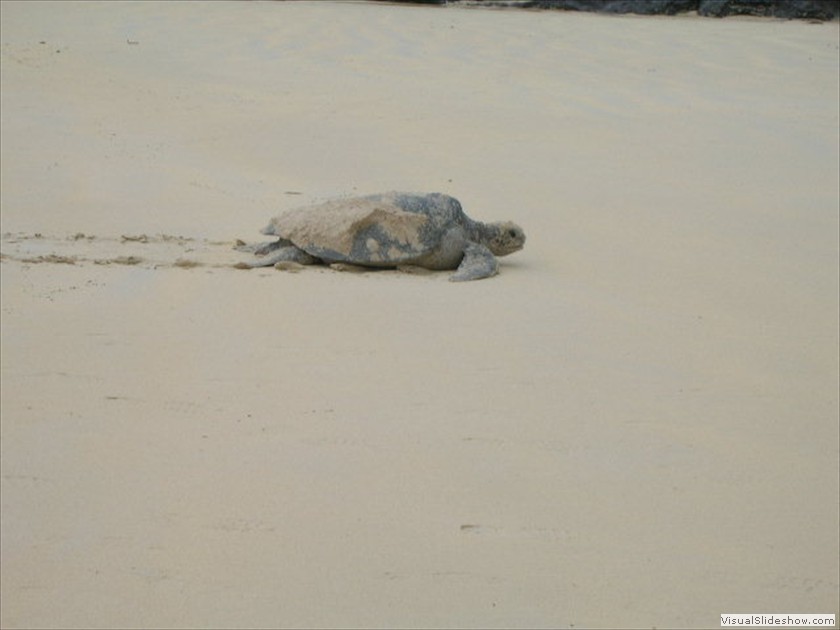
(389, 230)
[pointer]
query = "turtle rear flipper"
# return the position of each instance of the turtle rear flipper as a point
(261, 249)
(273, 253)
(478, 262)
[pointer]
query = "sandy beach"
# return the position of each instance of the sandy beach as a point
(635, 424)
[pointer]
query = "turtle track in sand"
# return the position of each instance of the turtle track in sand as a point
(152, 252)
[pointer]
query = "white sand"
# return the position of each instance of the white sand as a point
(635, 424)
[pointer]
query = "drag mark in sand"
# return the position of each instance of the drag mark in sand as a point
(143, 250)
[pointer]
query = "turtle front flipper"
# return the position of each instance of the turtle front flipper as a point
(478, 263)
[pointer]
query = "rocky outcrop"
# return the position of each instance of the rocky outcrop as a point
(790, 9)
(802, 9)
(643, 7)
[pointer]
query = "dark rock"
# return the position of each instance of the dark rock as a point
(722, 8)
(801, 9)
(644, 7)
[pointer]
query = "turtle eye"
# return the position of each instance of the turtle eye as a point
(512, 233)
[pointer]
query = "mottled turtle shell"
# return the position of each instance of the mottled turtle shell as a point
(377, 230)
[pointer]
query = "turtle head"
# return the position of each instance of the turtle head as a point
(505, 238)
